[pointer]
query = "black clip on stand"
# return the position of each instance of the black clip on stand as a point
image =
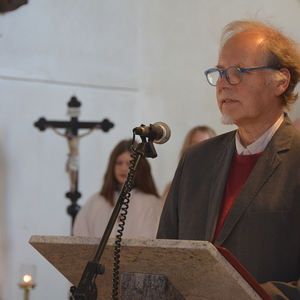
(87, 289)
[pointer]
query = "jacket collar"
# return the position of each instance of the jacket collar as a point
(264, 168)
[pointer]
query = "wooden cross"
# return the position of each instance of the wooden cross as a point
(71, 134)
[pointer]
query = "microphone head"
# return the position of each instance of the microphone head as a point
(165, 132)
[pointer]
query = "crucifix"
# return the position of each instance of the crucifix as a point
(71, 134)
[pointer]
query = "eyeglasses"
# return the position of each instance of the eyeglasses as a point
(234, 75)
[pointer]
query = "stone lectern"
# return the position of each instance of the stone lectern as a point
(192, 269)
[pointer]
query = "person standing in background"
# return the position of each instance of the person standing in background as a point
(195, 135)
(143, 213)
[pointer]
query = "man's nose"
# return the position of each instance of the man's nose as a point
(223, 82)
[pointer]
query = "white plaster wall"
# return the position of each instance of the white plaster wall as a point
(130, 61)
(179, 41)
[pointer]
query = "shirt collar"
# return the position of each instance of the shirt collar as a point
(261, 143)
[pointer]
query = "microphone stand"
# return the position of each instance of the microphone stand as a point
(87, 289)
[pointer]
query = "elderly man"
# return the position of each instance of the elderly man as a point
(241, 190)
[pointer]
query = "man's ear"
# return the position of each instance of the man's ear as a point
(283, 82)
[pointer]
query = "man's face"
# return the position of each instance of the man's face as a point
(253, 100)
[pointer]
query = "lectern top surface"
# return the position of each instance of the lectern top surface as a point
(196, 268)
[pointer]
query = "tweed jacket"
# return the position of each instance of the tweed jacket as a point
(262, 229)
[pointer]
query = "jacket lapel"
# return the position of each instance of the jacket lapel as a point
(221, 168)
(264, 168)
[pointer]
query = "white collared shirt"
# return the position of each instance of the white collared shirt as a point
(261, 143)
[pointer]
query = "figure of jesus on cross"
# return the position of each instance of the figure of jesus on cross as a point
(71, 134)
(72, 165)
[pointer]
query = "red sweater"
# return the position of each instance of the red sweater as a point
(240, 169)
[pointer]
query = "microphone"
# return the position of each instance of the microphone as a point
(159, 132)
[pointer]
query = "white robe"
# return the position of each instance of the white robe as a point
(141, 220)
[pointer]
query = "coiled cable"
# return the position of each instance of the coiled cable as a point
(124, 210)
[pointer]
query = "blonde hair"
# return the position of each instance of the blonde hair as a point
(281, 51)
(187, 141)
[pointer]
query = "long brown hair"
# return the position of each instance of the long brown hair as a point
(143, 180)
